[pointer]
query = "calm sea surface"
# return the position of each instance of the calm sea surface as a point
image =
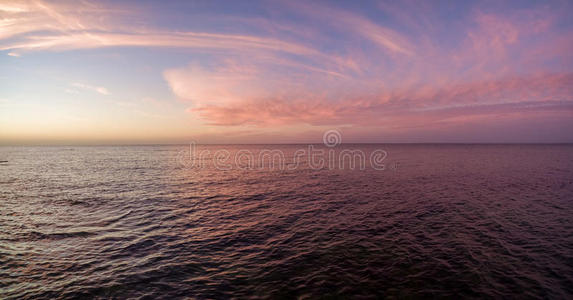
(145, 222)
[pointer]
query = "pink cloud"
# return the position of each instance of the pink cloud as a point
(409, 107)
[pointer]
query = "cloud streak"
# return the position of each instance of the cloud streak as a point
(546, 92)
(97, 89)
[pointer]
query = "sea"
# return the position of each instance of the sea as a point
(356, 221)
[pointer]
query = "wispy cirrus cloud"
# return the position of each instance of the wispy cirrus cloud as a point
(86, 40)
(384, 37)
(41, 26)
(98, 89)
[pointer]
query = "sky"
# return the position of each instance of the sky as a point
(122, 72)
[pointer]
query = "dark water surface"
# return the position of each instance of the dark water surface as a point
(439, 221)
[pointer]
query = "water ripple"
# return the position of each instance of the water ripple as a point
(128, 222)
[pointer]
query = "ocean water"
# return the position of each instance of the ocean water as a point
(161, 222)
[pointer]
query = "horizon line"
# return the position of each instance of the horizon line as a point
(280, 144)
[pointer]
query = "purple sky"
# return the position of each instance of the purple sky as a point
(281, 72)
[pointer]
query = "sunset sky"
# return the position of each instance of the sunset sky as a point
(285, 71)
